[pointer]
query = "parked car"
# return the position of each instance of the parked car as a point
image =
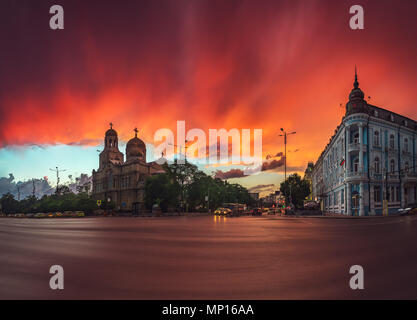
(256, 212)
(30, 215)
(311, 205)
(80, 213)
(3, 215)
(272, 211)
(19, 215)
(58, 214)
(67, 214)
(40, 215)
(223, 212)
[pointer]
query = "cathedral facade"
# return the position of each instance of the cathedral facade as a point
(123, 182)
(369, 165)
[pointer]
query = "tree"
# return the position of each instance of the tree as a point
(295, 190)
(162, 189)
(9, 204)
(185, 186)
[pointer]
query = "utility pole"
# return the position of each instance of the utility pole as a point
(18, 193)
(33, 185)
(57, 176)
(285, 134)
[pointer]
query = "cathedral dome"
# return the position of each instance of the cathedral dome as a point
(135, 147)
(135, 143)
(111, 132)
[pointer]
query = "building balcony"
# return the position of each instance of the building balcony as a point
(356, 175)
(393, 176)
(377, 176)
(410, 177)
(356, 146)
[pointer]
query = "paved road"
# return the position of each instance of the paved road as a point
(209, 258)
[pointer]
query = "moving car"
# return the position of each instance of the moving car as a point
(223, 212)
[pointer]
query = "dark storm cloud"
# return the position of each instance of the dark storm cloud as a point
(232, 173)
(9, 185)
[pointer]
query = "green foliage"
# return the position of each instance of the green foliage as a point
(185, 184)
(295, 190)
(162, 190)
(67, 201)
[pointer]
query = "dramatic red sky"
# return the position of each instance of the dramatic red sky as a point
(231, 64)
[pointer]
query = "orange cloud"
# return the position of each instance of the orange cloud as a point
(214, 64)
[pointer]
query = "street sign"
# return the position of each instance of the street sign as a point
(99, 203)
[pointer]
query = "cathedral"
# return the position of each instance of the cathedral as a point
(123, 182)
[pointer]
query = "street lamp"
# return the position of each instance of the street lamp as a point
(285, 134)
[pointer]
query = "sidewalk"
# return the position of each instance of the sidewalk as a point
(331, 215)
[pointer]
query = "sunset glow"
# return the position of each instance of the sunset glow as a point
(214, 64)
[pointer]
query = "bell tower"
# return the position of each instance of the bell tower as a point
(111, 153)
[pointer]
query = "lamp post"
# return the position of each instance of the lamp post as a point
(285, 134)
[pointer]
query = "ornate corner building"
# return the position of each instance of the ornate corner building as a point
(368, 166)
(122, 182)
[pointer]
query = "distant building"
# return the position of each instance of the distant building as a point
(119, 181)
(254, 195)
(368, 167)
(308, 175)
(272, 198)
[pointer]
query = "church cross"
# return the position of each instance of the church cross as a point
(136, 132)
(111, 125)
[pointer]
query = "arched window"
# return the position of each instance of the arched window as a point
(356, 165)
(391, 141)
(406, 145)
(392, 166)
(406, 167)
(377, 165)
(376, 138)
(356, 138)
